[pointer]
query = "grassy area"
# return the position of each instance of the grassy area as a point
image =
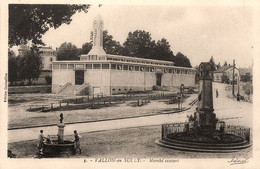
(132, 142)
(19, 116)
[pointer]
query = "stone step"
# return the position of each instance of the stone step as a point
(199, 149)
(207, 146)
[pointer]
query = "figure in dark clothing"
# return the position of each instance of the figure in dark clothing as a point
(77, 141)
(216, 93)
(238, 97)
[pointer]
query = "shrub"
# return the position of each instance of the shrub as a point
(48, 80)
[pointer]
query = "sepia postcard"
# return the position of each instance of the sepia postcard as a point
(120, 84)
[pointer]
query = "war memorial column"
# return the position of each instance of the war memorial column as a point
(206, 117)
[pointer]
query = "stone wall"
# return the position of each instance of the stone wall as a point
(29, 89)
(60, 77)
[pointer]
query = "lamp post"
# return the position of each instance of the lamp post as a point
(233, 79)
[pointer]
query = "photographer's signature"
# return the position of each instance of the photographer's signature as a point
(237, 160)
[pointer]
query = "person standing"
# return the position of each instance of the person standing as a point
(40, 144)
(216, 93)
(238, 97)
(77, 141)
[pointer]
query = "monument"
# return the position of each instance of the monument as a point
(61, 126)
(204, 132)
(58, 146)
(97, 48)
(205, 116)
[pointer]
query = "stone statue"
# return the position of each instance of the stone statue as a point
(61, 118)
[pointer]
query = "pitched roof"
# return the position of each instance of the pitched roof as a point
(222, 69)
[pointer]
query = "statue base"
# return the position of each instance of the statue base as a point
(60, 132)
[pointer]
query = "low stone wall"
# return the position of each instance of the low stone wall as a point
(241, 131)
(29, 89)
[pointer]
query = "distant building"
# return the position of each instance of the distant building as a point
(98, 72)
(23, 48)
(225, 70)
(48, 55)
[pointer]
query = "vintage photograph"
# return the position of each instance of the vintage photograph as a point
(130, 83)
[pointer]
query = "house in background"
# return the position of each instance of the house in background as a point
(217, 74)
(225, 70)
(48, 55)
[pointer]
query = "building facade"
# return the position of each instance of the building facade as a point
(227, 71)
(48, 55)
(98, 72)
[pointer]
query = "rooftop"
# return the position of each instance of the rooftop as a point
(222, 69)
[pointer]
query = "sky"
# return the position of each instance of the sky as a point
(199, 32)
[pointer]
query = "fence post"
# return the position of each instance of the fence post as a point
(162, 132)
(60, 103)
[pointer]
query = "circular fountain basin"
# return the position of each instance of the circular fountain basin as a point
(55, 149)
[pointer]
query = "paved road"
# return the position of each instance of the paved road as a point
(235, 113)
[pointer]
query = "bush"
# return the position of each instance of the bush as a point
(48, 80)
(155, 87)
(225, 79)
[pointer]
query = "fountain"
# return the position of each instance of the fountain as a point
(56, 145)
(204, 132)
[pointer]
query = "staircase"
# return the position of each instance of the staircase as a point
(83, 89)
(73, 90)
(69, 90)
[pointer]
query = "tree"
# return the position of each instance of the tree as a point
(246, 78)
(138, 44)
(12, 67)
(30, 22)
(67, 51)
(163, 51)
(110, 46)
(225, 79)
(29, 65)
(182, 60)
(86, 47)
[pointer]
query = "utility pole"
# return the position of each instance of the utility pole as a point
(233, 77)
(238, 83)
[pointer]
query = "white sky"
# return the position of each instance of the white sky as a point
(199, 32)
